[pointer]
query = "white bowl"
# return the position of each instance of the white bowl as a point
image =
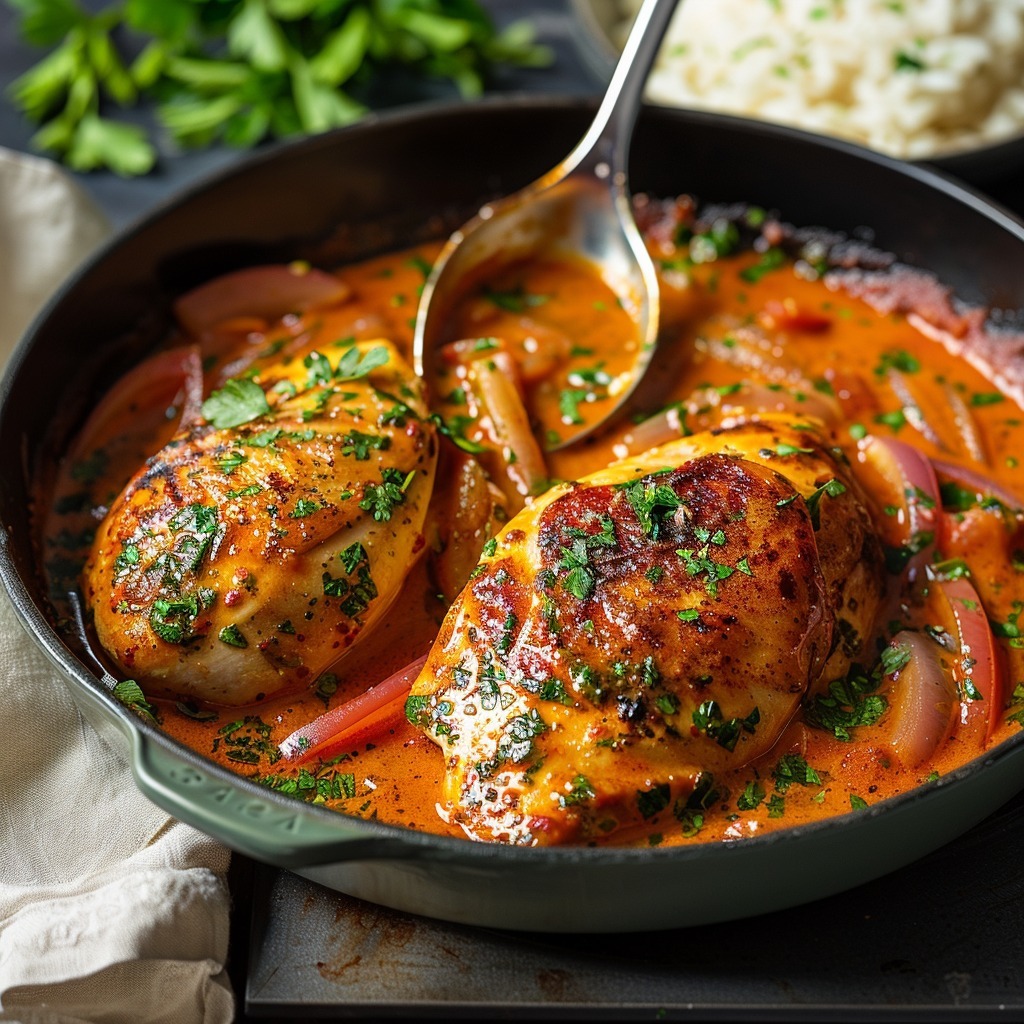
(601, 23)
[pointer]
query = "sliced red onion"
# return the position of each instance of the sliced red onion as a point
(656, 430)
(170, 379)
(922, 700)
(912, 476)
(268, 292)
(980, 667)
(329, 727)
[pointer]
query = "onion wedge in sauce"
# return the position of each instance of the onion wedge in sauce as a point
(268, 292)
(331, 726)
(912, 482)
(978, 671)
(922, 698)
(171, 380)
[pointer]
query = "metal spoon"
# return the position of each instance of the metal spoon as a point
(580, 207)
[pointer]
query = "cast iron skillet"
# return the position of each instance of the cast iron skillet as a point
(396, 179)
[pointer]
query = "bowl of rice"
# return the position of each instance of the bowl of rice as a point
(932, 80)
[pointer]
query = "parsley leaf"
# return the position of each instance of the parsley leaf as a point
(793, 768)
(130, 694)
(354, 363)
(652, 503)
(580, 578)
(239, 401)
(381, 499)
(708, 720)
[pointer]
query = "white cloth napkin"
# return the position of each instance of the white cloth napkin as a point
(109, 909)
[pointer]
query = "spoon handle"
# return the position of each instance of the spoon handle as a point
(607, 139)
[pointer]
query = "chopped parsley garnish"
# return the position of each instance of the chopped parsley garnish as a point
(305, 507)
(893, 658)
(721, 239)
(326, 687)
(751, 797)
(232, 636)
(239, 401)
(516, 742)
(508, 628)
(726, 733)
(319, 369)
(903, 61)
(580, 577)
(359, 444)
(833, 488)
(650, 802)
(244, 492)
(698, 561)
(793, 768)
(172, 620)
(896, 558)
(667, 703)
(980, 398)
(959, 499)
(569, 401)
(894, 420)
(514, 300)
(130, 694)
(454, 429)
(852, 700)
(580, 791)
(652, 503)
(354, 363)
(417, 709)
(248, 741)
(356, 588)
(1010, 629)
(316, 787)
(789, 449)
(127, 559)
(231, 461)
(771, 259)
(382, 499)
(1017, 702)
(897, 359)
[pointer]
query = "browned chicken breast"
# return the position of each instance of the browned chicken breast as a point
(251, 552)
(631, 634)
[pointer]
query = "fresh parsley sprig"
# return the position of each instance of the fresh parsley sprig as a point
(239, 71)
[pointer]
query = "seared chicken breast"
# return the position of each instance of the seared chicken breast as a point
(631, 634)
(252, 551)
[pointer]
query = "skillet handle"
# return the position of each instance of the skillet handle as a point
(266, 826)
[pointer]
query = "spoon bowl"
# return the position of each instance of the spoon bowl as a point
(580, 210)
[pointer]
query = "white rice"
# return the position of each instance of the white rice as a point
(913, 78)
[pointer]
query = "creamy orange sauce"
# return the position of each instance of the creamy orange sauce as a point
(823, 345)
